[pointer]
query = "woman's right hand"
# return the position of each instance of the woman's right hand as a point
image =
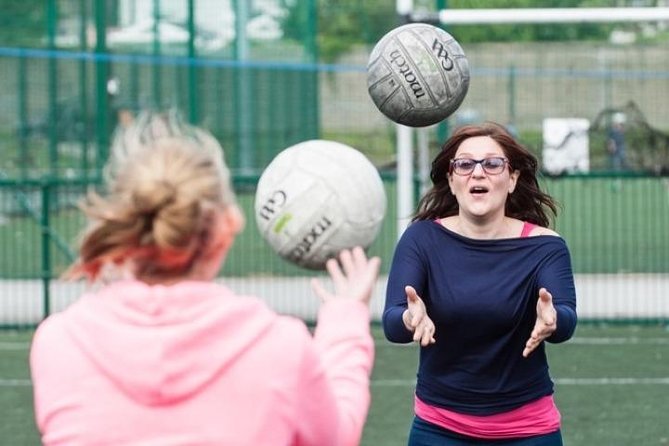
(416, 320)
(354, 276)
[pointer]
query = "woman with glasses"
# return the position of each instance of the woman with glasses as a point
(480, 282)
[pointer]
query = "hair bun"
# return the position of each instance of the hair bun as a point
(154, 196)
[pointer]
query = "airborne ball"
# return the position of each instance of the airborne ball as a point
(417, 75)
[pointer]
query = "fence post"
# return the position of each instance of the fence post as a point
(46, 247)
(443, 130)
(512, 94)
(52, 82)
(156, 80)
(243, 93)
(193, 100)
(101, 78)
(83, 88)
(24, 156)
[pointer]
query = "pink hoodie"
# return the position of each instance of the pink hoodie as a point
(193, 364)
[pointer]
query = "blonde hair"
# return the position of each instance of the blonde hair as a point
(164, 179)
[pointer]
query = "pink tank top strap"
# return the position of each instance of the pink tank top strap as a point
(527, 228)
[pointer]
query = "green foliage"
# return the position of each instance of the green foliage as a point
(345, 23)
(296, 23)
(525, 33)
(342, 24)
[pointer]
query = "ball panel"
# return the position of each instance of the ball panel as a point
(417, 52)
(381, 73)
(402, 57)
(309, 229)
(410, 64)
(289, 222)
(393, 100)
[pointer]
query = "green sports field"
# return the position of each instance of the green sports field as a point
(612, 387)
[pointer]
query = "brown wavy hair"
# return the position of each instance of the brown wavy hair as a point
(528, 202)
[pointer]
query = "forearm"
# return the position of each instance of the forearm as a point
(394, 327)
(347, 351)
(566, 324)
(557, 277)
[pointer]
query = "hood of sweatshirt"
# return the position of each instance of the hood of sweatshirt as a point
(160, 344)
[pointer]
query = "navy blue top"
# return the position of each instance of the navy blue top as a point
(482, 297)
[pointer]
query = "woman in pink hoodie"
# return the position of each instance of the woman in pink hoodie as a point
(158, 354)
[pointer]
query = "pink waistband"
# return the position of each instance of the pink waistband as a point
(534, 418)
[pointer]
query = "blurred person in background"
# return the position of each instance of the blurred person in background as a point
(157, 353)
(615, 142)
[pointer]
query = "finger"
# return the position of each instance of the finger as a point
(412, 296)
(545, 296)
(417, 318)
(346, 261)
(547, 309)
(432, 338)
(373, 266)
(335, 272)
(358, 256)
(539, 334)
(536, 338)
(365, 271)
(423, 334)
(414, 301)
(319, 290)
(427, 338)
(529, 348)
(408, 320)
(419, 333)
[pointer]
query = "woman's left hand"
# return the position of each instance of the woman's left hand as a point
(546, 322)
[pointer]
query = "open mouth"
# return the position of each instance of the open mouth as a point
(478, 190)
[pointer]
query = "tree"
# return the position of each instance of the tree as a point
(342, 24)
(345, 23)
(529, 32)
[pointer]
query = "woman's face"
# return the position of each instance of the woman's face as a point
(481, 193)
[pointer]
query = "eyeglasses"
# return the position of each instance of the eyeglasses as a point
(493, 165)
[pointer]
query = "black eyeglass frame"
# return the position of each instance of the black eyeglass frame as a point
(452, 166)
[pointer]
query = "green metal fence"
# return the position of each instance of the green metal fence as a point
(77, 67)
(616, 228)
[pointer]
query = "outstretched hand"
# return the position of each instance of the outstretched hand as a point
(416, 320)
(546, 322)
(353, 276)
